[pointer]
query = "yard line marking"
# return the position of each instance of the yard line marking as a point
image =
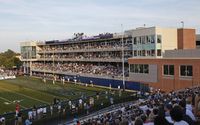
(11, 102)
(25, 95)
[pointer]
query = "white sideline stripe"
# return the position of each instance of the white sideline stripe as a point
(11, 101)
(26, 96)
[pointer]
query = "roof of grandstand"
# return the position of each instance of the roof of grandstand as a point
(81, 37)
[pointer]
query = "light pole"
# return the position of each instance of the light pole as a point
(53, 67)
(123, 79)
(44, 50)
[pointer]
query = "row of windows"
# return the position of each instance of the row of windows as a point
(146, 39)
(185, 70)
(139, 68)
(147, 52)
(28, 52)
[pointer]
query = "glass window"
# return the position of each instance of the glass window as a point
(28, 52)
(136, 68)
(138, 40)
(159, 52)
(186, 70)
(152, 52)
(171, 69)
(135, 52)
(189, 71)
(131, 67)
(168, 69)
(152, 39)
(143, 39)
(148, 39)
(134, 40)
(183, 70)
(159, 40)
(146, 68)
(143, 53)
(139, 68)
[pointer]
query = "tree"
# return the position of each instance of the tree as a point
(9, 60)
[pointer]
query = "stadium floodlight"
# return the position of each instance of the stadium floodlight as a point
(182, 22)
(123, 79)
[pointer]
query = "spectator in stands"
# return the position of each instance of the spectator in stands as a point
(186, 117)
(177, 116)
(19, 121)
(168, 108)
(28, 122)
(160, 118)
(138, 121)
(2, 121)
(78, 123)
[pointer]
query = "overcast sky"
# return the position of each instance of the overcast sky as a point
(25, 20)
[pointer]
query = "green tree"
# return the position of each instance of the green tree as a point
(8, 59)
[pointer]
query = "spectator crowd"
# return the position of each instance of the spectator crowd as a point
(157, 108)
(174, 108)
(80, 68)
(6, 74)
(84, 46)
(84, 56)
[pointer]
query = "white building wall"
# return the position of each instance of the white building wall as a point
(169, 38)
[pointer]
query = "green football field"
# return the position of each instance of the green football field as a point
(29, 91)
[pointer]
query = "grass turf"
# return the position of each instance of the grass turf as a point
(30, 91)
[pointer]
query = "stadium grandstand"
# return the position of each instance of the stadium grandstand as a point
(96, 59)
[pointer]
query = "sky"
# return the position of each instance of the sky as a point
(30, 20)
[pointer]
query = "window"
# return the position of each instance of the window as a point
(132, 68)
(186, 70)
(139, 68)
(143, 53)
(159, 40)
(152, 52)
(146, 68)
(135, 52)
(138, 40)
(158, 52)
(148, 52)
(149, 39)
(168, 69)
(134, 40)
(136, 70)
(140, 52)
(152, 39)
(143, 40)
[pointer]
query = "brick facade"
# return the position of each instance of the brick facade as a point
(175, 82)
